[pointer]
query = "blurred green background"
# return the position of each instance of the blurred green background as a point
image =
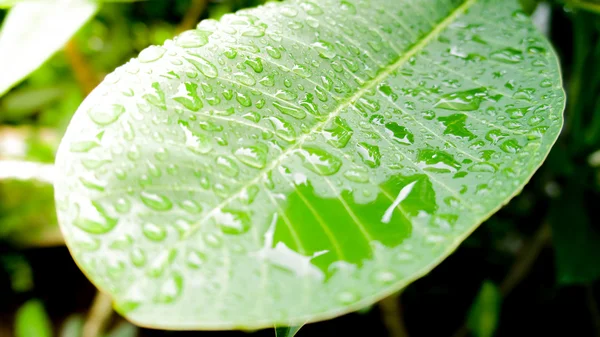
(530, 270)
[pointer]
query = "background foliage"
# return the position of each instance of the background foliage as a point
(532, 269)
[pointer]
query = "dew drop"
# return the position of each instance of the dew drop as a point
(507, 55)
(369, 154)
(193, 38)
(105, 115)
(233, 222)
(227, 166)
(155, 201)
(320, 161)
(252, 156)
(154, 232)
(195, 259)
(151, 54)
(347, 297)
(171, 289)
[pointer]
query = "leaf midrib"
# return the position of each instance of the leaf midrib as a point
(387, 71)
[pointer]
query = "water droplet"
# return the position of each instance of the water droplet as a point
(311, 8)
(357, 175)
(348, 7)
(245, 79)
(155, 201)
(122, 243)
(507, 55)
(151, 54)
(83, 146)
(385, 277)
(94, 219)
(233, 222)
(268, 81)
(286, 95)
(546, 83)
(191, 206)
(369, 154)
(399, 133)
(194, 141)
(483, 167)
(243, 99)
(171, 289)
(254, 31)
(338, 133)
(122, 205)
(510, 146)
(230, 53)
(347, 297)
(154, 232)
(273, 52)
(301, 70)
(105, 115)
(289, 110)
(203, 65)
(193, 38)
(138, 257)
(320, 161)
(255, 64)
(195, 259)
(325, 49)
(227, 166)
(253, 156)
(187, 95)
(437, 161)
(467, 100)
(282, 128)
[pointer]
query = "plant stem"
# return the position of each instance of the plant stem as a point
(525, 260)
(85, 75)
(192, 16)
(393, 318)
(520, 268)
(593, 306)
(99, 315)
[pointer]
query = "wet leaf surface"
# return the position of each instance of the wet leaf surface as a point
(298, 161)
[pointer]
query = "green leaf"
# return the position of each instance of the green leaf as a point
(288, 331)
(576, 239)
(32, 320)
(299, 161)
(485, 312)
(73, 326)
(588, 5)
(19, 271)
(33, 31)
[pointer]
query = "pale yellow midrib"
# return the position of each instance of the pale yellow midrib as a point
(371, 84)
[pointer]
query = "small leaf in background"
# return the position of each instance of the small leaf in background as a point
(72, 327)
(124, 329)
(576, 239)
(32, 321)
(19, 271)
(33, 31)
(485, 311)
(289, 331)
(588, 5)
(25, 102)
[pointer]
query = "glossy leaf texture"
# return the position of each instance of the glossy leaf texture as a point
(301, 160)
(33, 31)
